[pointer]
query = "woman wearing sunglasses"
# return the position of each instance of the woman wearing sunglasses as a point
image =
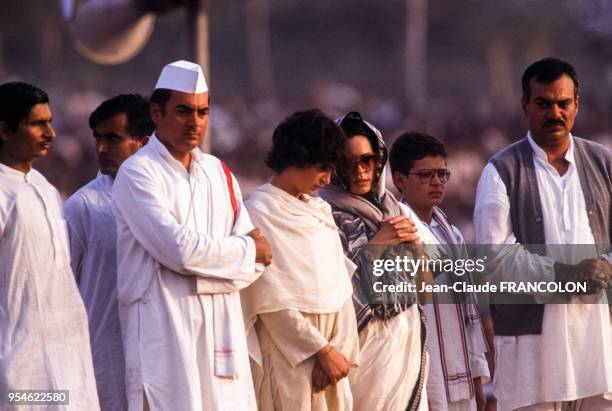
(393, 362)
(299, 314)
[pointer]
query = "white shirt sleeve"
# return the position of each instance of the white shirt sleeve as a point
(479, 367)
(492, 224)
(74, 212)
(141, 203)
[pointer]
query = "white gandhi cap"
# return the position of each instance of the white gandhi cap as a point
(183, 76)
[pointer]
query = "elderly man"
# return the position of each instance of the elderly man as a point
(120, 126)
(185, 248)
(550, 188)
(44, 342)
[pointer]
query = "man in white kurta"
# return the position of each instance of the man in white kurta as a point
(120, 126)
(183, 253)
(569, 363)
(44, 342)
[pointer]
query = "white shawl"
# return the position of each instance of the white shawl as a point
(309, 272)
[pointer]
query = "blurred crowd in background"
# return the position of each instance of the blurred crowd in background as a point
(460, 81)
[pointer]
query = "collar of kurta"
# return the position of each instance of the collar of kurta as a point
(539, 152)
(160, 148)
(105, 180)
(15, 174)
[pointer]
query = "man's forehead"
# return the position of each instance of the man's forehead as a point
(40, 111)
(117, 123)
(561, 88)
(199, 100)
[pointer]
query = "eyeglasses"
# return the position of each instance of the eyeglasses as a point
(427, 175)
(366, 161)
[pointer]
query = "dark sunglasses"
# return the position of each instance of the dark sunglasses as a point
(427, 175)
(366, 161)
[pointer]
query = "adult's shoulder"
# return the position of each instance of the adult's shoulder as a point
(594, 148)
(42, 183)
(80, 197)
(509, 151)
(142, 164)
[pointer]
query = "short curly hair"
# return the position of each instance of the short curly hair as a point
(306, 138)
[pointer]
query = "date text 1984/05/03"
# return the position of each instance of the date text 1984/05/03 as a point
(35, 397)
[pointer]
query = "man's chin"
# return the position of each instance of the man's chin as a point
(108, 171)
(555, 134)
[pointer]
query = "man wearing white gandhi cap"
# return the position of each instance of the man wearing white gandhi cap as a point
(182, 261)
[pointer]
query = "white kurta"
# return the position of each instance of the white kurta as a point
(572, 357)
(93, 250)
(432, 233)
(44, 342)
(179, 252)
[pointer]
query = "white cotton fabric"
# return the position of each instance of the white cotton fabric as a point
(93, 250)
(181, 263)
(474, 340)
(44, 342)
(572, 357)
(309, 272)
(388, 372)
(183, 76)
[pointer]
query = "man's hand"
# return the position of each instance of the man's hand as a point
(396, 230)
(320, 380)
(481, 398)
(335, 365)
(263, 252)
(597, 273)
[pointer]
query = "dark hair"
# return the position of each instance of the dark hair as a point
(160, 97)
(546, 71)
(306, 138)
(354, 125)
(16, 101)
(136, 109)
(410, 147)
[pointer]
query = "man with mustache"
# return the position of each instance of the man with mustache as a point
(44, 342)
(120, 126)
(185, 247)
(551, 188)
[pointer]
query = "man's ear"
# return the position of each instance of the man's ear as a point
(577, 103)
(524, 103)
(156, 112)
(143, 141)
(397, 180)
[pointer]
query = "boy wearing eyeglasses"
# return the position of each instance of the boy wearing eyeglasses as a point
(455, 337)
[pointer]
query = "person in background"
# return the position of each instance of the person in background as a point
(120, 126)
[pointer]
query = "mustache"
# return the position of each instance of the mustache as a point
(553, 122)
